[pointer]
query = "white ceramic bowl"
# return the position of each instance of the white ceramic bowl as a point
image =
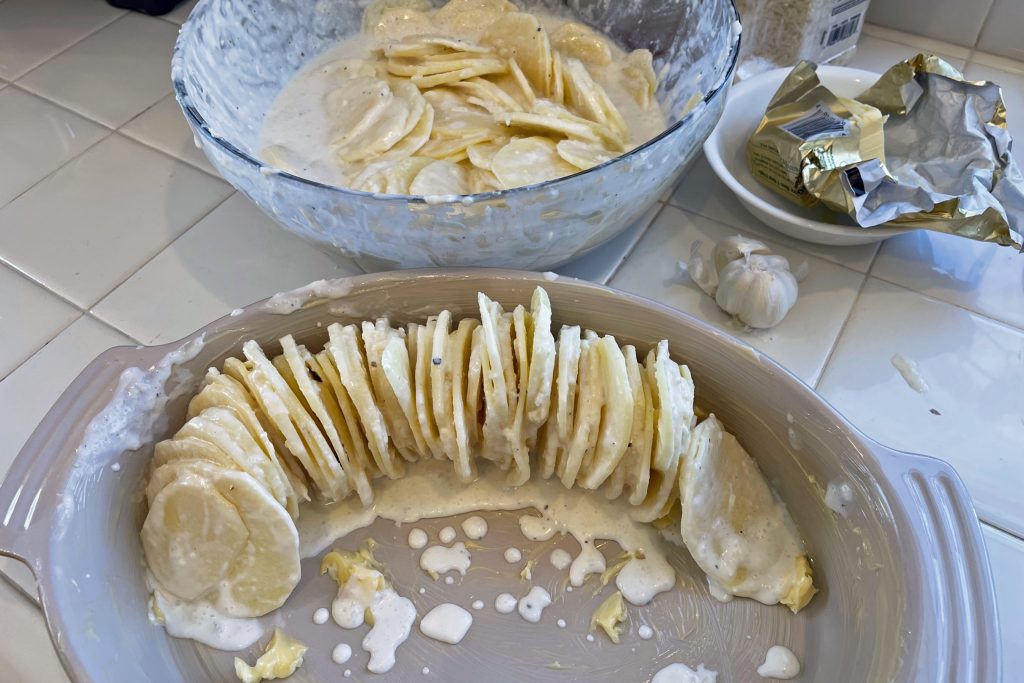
(726, 151)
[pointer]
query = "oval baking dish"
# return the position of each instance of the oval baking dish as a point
(906, 593)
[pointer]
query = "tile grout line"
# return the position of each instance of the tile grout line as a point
(42, 284)
(111, 326)
(67, 47)
(846, 321)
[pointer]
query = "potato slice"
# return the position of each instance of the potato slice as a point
(474, 386)
(521, 348)
(391, 125)
(588, 98)
(440, 178)
(375, 338)
(398, 23)
(373, 13)
(354, 107)
(637, 461)
(616, 415)
(542, 365)
(416, 138)
(738, 532)
(394, 361)
(674, 389)
(482, 154)
(481, 181)
(519, 36)
(568, 358)
(183, 448)
(465, 417)
(425, 45)
(478, 67)
(323, 366)
(191, 536)
(529, 161)
(343, 69)
(557, 78)
(303, 437)
(452, 10)
(554, 127)
(577, 40)
(331, 421)
(522, 83)
(583, 155)
(586, 417)
(424, 335)
(440, 371)
(495, 368)
(349, 360)
(489, 95)
(639, 77)
(662, 493)
(399, 176)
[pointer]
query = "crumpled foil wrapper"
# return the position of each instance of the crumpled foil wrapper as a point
(922, 148)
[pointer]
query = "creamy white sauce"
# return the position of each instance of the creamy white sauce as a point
(560, 559)
(447, 535)
(437, 559)
(680, 673)
(474, 527)
(717, 592)
(513, 555)
(589, 561)
(447, 623)
(348, 673)
(645, 632)
(449, 580)
(779, 662)
(910, 372)
(417, 539)
(838, 497)
(531, 606)
(341, 653)
(641, 579)
(590, 637)
(203, 623)
(320, 616)
(393, 617)
(537, 528)
(561, 623)
(505, 603)
(478, 604)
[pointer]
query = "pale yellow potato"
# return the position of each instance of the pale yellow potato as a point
(542, 365)
(399, 176)
(440, 178)
(574, 39)
(637, 461)
(590, 99)
(551, 126)
(529, 161)
(480, 67)
(375, 338)
(496, 337)
(488, 92)
(465, 417)
(323, 366)
(398, 23)
(675, 417)
(441, 401)
(481, 180)
(355, 106)
(392, 124)
(424, 335)
(519, 36)
(424, 45)
(395, 363)
(521, 348)
(522, 83)
(583, 155)
(482, 154)
(415, 139)
(372, 15)
(639, 77)
(616, 415)
(586, 417)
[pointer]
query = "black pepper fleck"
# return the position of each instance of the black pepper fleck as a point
(436, 361)
(934, 412)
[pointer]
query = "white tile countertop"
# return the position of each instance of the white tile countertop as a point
(114, 230)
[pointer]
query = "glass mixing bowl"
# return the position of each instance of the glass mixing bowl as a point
(233, 57)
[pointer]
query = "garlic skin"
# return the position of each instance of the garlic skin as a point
(736, 247)
(757, 288)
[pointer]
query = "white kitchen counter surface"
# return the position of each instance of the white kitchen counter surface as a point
(114, 230)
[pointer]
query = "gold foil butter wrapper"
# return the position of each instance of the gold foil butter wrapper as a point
(922, 147)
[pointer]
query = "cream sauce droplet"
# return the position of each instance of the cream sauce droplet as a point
(474, 527)
(447, 623)
(531, 606)
(321, 616)
(779, 662)
(505, 603)
(513, 555)
(438, 559)
(589, 561)
(417, 539)
(447, 535)
(341, 653)
(560, 559)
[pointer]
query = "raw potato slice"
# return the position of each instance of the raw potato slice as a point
(393, 123)
(447, 149)
(596, 131)
(583, 155)
(735, 528)
(374, 11)
(552, 126)
(423, 363)
(482, 154)
(582, 42)
(587, 415)
(590, 99)
(422, 46)
(616, 415)
(399, 177)
(375, 338)
(441, 403)
(569, 350)
(394, 361)
(182, 449)
(519, 36)
(542, 365)
(557, 78)
(351, 68)
(639, 77)
(479, 67)
(454, 8)
(191, 536)
(474, 385)
(529, 161)
(348, 359)
(481, 181)
(522, 83)
(331, 421)
(322, 365)
(302, 435)
(637, 461)
(674, 389)
(662, 493)
(487, 92)
(416, 138)
(459, 353)
(498, 409)
(398, 23)
(521, 347)
(440, 178)
(355, 106)
(433, 65)
(264, 574)
(456, 121)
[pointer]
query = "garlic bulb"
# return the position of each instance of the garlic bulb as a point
(757, 288)
(736, 247)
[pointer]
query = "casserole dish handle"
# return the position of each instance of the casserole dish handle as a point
(959, 608)
(32, 490)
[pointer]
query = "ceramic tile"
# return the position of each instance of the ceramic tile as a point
(32, 31)
(955, 21)
(1002, 63)
(1006, 555)
(980, 276)
(28, 392)
(87, 227)
(970, 414)
(877, 54)
(1012, 85)
(921, 42)
(801, 342)
(600, 264)
(234, 256)
(163, 126)
(701, 192)
(29, 317)
(113, 74)
(179, 14)
(25, 647)
(36, 138)
(1003, 28)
